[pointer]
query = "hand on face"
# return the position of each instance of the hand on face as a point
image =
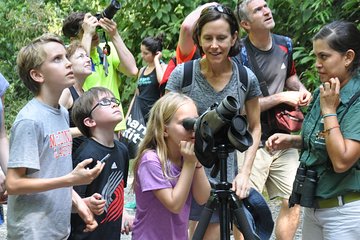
(330, 96)
(187, 151)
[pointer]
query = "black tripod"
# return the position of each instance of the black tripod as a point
(222, 195)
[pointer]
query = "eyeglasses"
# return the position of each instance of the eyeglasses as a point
(218, 8)
(105, 102)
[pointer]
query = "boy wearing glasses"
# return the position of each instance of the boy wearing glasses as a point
(96, 113)
(40, 175)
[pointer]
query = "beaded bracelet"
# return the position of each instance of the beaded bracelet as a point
(329, 115)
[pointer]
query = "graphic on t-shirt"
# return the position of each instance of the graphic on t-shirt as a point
(61, 143)
(113, 193)
(144, 81)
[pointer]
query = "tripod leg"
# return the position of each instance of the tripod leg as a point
(243, 225)
(224, 217)
(205, 217)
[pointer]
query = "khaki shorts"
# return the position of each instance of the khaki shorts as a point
(275, 171)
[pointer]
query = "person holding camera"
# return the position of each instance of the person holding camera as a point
(216, 76)
(328, 179)
(107, 59)
(167, 174)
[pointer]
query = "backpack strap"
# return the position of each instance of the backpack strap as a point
(257, 71)
(187, 80)
(243, 76)
(189, 70)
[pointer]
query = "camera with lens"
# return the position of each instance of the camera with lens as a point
(219, 125)
(110, 11)
(304, 187)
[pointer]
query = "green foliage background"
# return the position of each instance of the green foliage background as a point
(27, 19)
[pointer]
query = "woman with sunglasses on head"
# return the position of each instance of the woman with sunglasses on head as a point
(167, 174)
(81, 67)
(330, 139)
(215, 77)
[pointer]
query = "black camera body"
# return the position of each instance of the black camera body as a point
(219, 125)
(110, 11)
(304, 187)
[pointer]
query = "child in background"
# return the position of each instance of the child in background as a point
(167, 173)
(40, 175)
(96, 113)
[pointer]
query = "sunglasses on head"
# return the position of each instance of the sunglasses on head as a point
(217, 8)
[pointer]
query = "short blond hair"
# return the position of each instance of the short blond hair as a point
(32, 56)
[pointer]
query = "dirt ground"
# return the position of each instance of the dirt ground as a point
(274, 206)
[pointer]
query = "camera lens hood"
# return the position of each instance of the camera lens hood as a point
(238, 134)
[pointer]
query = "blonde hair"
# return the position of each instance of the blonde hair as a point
(33, 56)
(161, 114)
(73, 46)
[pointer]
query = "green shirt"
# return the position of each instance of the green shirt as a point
(112, 81)
(315, 156)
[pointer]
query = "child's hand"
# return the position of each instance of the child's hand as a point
(86, 215)
(95, 203)
(82, 175)
(127, 223)
(187, 151)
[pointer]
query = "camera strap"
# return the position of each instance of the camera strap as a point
(256, 69)
(105, 52)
